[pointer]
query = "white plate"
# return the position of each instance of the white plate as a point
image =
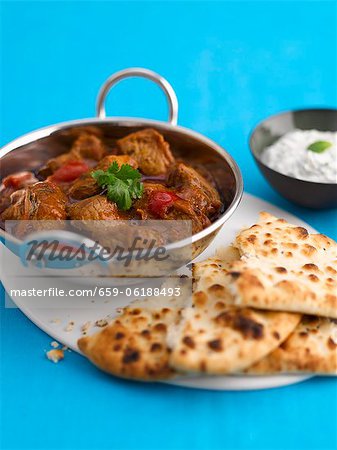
(245, 215)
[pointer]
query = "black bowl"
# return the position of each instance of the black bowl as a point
(305, 193)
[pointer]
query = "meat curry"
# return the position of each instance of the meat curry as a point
(65, 188)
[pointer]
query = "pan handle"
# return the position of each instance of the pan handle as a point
(143, 73)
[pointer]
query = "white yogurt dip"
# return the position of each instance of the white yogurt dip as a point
(291, 155)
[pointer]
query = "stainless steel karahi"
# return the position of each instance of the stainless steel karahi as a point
(33, 149)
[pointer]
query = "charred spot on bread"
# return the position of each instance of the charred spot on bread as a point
(240, 321)
(203, 366)
(252, 280)
(119, 335)
(234, 275)
(219, 305)
(145, 333)
(156, 347)
(303, 334)
(216, 289)
(310, 266)
(308, 250)
(313, 278)
(310, 320)
(281, 269)
(301, 232)
(331, 270)
(189, 342)
(252, 238)
(200, 298)
(161, 327)
(248, 327)
(215, 344)
(284, 345)
(331, 344)
(130, 356)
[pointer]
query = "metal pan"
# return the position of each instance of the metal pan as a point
(32, 150)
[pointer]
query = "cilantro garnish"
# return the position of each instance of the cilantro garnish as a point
(122, 184)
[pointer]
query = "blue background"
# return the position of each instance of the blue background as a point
(232, 64)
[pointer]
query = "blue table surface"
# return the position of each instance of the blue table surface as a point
(232, 64)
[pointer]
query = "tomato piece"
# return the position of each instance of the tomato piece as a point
(70, 171)
(19, 180)
(160, 201)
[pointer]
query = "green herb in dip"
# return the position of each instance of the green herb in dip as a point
(309, 155)
(319, 146)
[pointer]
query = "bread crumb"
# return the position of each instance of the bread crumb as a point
(54, 344)
(101, 323)
(55, 355)
(70, 326)
(56, 321)
(85, 327)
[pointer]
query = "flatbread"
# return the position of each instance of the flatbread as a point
(214, 337)
(134, 344)
(245, 314)
(311, 348)
(283, 268)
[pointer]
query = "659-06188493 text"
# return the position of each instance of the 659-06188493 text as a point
(99, 291)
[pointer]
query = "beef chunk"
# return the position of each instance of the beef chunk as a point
(149, 149)
(107, 225)
(178, 209)
(182, 210)
(40, 201)
(94, 208)
(85, 186)
(13, 183)
(194, 188)
(98, 217)
(87, 146)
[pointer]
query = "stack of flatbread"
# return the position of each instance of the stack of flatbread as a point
(266, 305)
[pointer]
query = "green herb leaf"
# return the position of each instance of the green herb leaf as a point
(122, 184)
(319, 146)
